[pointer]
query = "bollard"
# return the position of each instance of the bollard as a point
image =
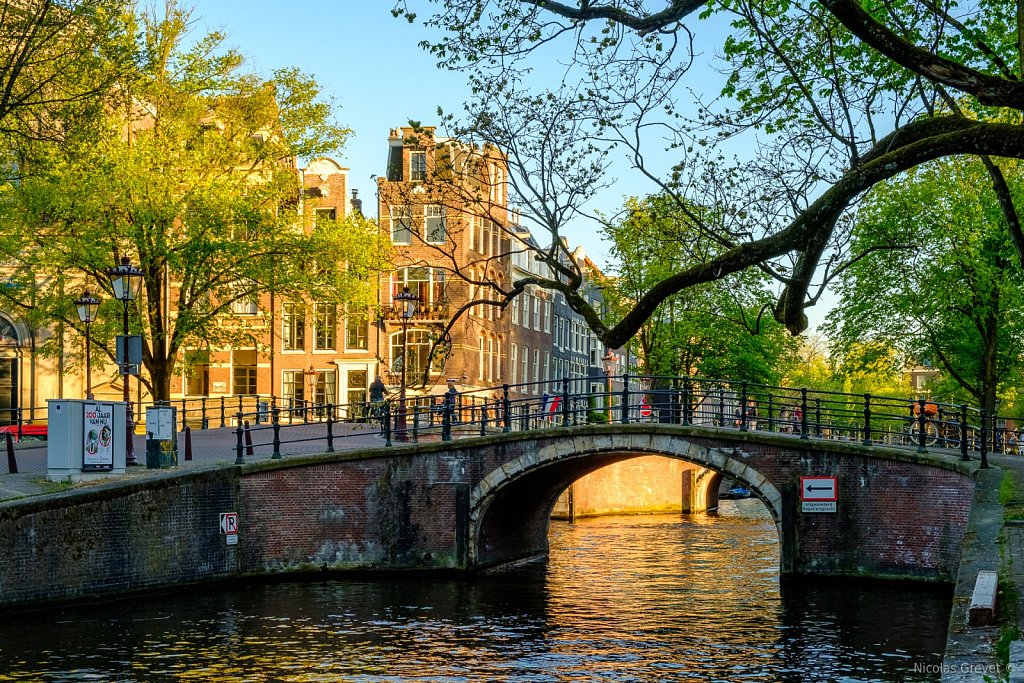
(330, 427)
(12, 462)
(188, 443)
(248, 440)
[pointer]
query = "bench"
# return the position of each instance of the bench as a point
(982, 611)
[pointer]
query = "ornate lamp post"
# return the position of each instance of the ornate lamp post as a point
(405, 307)
(126, 281)
(87, 306)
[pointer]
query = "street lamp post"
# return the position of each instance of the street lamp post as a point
(87, 306)
(311, 381)
(126, 282)
(405, 306)
(610, 359)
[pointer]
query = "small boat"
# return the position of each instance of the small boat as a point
(735, 493)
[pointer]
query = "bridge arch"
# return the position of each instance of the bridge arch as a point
(510, 508)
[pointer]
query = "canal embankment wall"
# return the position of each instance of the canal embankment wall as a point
(418, 508)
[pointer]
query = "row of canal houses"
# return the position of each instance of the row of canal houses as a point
(443, 206)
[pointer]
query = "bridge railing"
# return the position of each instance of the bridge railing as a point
(265, 423)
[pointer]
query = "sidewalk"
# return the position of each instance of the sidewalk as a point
(209, 447)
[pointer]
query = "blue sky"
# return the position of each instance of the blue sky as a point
(373, 67)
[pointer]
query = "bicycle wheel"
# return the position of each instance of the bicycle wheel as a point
(931, 433)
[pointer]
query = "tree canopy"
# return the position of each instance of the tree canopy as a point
(188, 169)
(714, 330)
(941, 283)
(831, 97)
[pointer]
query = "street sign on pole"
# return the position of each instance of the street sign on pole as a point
(818, 494)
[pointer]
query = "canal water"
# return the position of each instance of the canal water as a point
(659, 598)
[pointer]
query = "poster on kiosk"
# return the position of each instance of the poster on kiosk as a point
(98, 437)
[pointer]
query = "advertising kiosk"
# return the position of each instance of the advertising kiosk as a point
(86, 439)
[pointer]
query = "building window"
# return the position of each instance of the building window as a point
(481, 359)
(244, 380)
(513, 358)
(497, 359)
(417, 165)
(418, 346)
(324, 215)
(401, 224)
(547, 316)
(325, 326)
(515, 311)
(292, 386)
(536, 313)
(243, 373)
(293, 332)
(426, 283)
(325, 388)
(356, 333)
(547, 370)
(536, 371)
(245, 305)
(525, 367)
(434, 224)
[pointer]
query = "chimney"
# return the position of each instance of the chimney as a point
(357, 203)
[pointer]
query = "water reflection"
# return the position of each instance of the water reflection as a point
(622, 599)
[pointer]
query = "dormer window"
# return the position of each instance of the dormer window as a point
(417, 166)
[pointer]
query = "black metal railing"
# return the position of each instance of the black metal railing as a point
(800, 412)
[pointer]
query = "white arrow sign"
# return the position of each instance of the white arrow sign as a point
(818, 488)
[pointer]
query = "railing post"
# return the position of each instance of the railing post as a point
(415, 421)
(721, 406)
(248, 441)
(803, 413)
(867, 420)
(963, 432)
(446, 421)
(565, 401)
(386, 424)
(184, 411)
(625, 398)
(257, 405)
(485, 415)
(223, 422)
(506, 409)
(277, 435)
(743, 406)
(330, 427)
(188, 443)
(771, 412)
(687, 401)
(817, 417)
(239, 460)
(920, 426)
(984, 438)
(204, 423)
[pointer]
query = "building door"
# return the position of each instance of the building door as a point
(8, 390)
(9, 343)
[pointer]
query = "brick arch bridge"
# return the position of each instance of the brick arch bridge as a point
(470, 505)
(482, 503)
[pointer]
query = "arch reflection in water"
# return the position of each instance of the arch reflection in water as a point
(621, 599)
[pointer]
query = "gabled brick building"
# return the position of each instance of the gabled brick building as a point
(443, 205)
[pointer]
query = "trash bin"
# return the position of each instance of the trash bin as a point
(160, 454)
